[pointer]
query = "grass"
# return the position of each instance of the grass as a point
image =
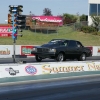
(34, 38)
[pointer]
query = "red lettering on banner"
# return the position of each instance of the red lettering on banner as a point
(98, 50)
(26, 50)
(5, 31)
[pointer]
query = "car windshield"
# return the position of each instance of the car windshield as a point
(54, 42)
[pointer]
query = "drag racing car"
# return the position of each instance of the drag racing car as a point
(61, 49)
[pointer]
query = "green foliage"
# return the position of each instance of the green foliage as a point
(78, 26)
(96, 21)
(83, 18)
(68, 18)
(98, 33)
(88, 29)
(47, 12)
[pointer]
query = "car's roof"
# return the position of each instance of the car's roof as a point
(64, 39)
(59, 39)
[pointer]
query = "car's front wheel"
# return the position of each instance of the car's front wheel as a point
(38, 59)
(82, 57)
(60, 57)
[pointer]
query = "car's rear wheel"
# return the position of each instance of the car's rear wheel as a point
(82, 57)
(38, 59)
(60, 57)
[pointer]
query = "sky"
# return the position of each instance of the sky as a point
(58, 7)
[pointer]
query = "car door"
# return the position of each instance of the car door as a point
(72, 48)
(62, 45)
(79, 49)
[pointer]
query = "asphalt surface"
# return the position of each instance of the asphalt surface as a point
(75, 88)
(32, 60)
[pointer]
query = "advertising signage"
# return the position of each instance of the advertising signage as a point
(54, 19)
(26, 50)
(5, 31)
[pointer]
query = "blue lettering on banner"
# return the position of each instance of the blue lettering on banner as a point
(30, 69)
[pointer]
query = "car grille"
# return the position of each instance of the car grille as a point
(42, 50)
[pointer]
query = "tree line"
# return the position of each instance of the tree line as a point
(70, 18)
(67, 18)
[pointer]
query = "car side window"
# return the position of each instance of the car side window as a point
(62, 43)
(72, 44)
(66, 43)
(79, 44)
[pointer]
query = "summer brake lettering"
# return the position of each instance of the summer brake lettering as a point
(47, 69)
(93, 66)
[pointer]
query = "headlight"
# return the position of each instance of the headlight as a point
(34, 49)
(52, 50)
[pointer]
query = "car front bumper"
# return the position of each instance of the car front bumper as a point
(44, 54)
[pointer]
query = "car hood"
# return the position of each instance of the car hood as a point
(48, 45)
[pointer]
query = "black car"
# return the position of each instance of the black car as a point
(61, 49)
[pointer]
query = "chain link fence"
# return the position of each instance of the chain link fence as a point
(67, 28)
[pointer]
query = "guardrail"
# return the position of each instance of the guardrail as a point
(6, 51)
(34, 69)
(56, 80)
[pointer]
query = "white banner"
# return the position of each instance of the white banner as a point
(70, 67)
(6, 51)
(53, 68)
(20, 70)
(96, 50)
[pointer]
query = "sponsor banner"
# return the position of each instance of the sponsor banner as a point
(20, 70)
(5, 31)
(69, 67)
(6, 51)
(96, 50)
(26, 50)
(53, 68)
(54, 19)
(5, 34)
